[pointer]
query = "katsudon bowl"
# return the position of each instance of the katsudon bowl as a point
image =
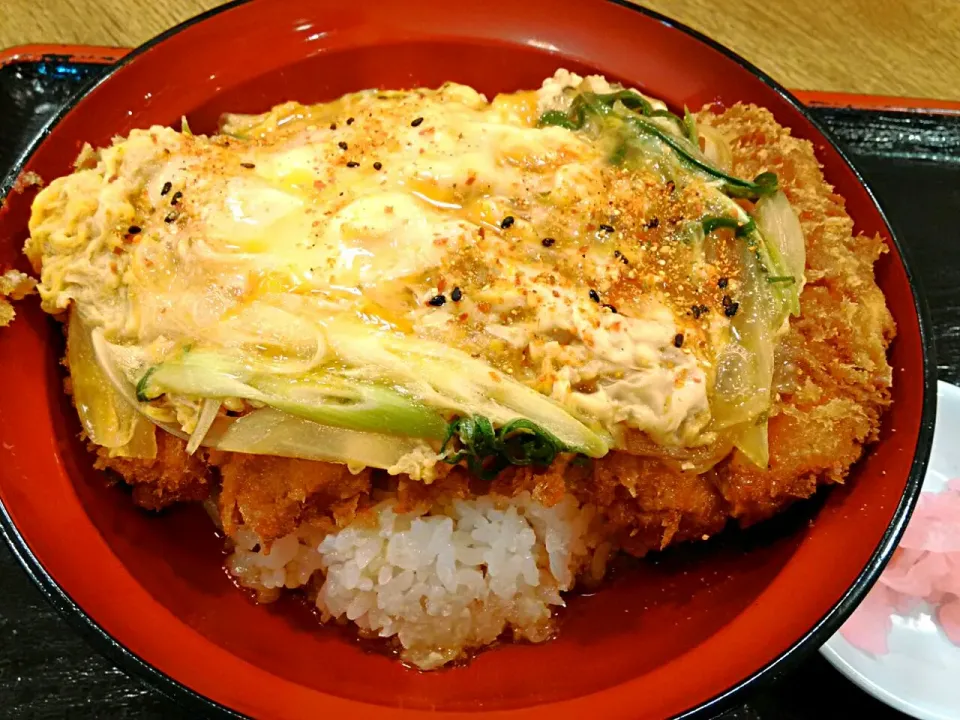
(677, 634)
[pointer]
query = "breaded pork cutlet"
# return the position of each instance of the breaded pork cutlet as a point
(833, 383)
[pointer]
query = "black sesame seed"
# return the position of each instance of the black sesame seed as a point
(171, 216)
(610, 307)
(248, 166)
(416, 122)
(437, 300)
(594, 295)
(731, 309)
(678, 340)
(353, 164)
(333, 126)
(547, 242)
(506, 222)
(342, 144)
(167, 187)
(653, 223)
(349, 121)
(456, 294)
(606, 228)
(134, 229)
(698, 310)
(722, 283)
(671, 186)
(176, 197)
(725, 300)
(377, 165)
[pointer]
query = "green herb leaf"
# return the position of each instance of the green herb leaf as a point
(686, 148)
(712, 222)
(557, 118)
(488, 451)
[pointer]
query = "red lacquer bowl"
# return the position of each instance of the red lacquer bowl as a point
(677, 636)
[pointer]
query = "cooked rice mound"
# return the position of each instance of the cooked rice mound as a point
(446, 568)
(440, 582)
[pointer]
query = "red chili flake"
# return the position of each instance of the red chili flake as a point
(462, 317)
(471, 179)
(441, 284)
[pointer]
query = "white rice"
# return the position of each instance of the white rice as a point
(441, 583)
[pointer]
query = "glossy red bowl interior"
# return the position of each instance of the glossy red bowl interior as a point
(666, 638)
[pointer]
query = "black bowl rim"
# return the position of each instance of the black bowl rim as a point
(830, 623)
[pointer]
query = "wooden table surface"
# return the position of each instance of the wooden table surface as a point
(884, 47)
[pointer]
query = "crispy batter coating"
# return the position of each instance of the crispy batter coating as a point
(172, 477)
(271, 495)
(833, 383)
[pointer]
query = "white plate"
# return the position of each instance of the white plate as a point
(921, 674)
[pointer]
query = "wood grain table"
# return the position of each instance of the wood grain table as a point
(889, 47)
(883, 47)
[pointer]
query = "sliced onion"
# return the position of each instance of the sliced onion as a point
(752, 441)
(715, 147)
(108, 420)
(694, 460)
(208, 413)
(744, 366)
(271, 432)
(780, 226)
(124, 388)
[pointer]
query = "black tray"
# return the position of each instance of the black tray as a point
(910, 158)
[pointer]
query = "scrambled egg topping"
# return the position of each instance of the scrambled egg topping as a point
(432, 213)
